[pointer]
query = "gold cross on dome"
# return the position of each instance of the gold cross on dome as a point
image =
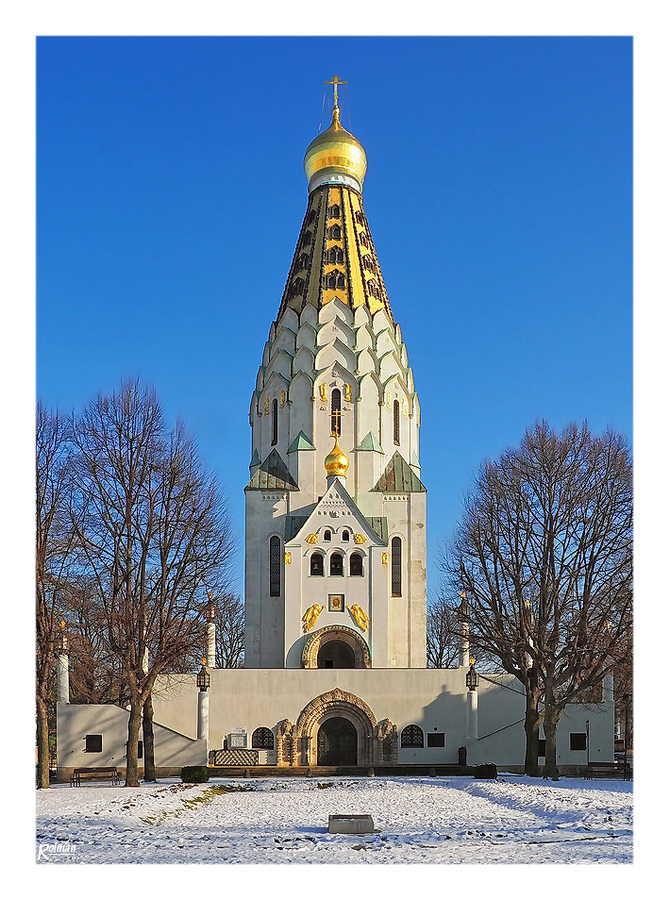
(335, 82)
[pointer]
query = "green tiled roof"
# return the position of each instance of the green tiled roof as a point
(379, 525)
(273, 474)
(369, 442)
(301, 442)
(400, 477)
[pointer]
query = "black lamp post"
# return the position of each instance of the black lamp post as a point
(472, 678)
(203, 677)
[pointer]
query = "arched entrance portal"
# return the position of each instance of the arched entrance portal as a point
(331, 638)
(337, 743)
(336, 655)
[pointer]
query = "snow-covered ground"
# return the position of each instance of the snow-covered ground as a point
(419, 820)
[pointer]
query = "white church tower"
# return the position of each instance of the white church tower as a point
(335, 508)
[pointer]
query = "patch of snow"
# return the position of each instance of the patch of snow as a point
(446, 820)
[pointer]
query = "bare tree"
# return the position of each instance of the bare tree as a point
(443, 633)
(229, 632)
(545, 555)
(152, 531)
(52, 559)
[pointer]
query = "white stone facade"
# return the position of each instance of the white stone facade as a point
(306, 359)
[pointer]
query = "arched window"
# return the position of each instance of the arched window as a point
(306, 238)
(296, 287)
(275, 566)
(327, 535)
(345, 535)
(396, 422)
(412, 736)
(303, 261)
(336, 564)
(262, 739)
(363, 239)
(335, 255)
(359, 217)
(334, 280)
(275, 421)
(334, 211)
(311, 216)
(316, 564)
(335, 233)
(396, 567)
(355, 564)
(368, 262)
(335, 412)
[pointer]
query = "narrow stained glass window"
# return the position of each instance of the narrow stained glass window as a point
(275, 421)
(335, 412)
(396, 574)
(275, 567)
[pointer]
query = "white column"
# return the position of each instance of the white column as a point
(464, 639)
(607, 687)
(203, 716)
(63, 670)
(211, 644)
(472, 715)
(464, 646)
(63, 677)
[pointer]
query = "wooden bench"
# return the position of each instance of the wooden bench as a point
(609, 770)
(101, 772)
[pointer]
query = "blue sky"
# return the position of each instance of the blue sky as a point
(171, 191)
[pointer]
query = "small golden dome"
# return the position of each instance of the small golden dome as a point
(336, 462)
(335, 155)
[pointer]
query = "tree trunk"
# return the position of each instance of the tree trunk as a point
(551, 718)
(134, 725)
(42, 743)
(149, 744)
(532, 722)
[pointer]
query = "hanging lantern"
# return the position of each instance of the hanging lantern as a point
(203, 678)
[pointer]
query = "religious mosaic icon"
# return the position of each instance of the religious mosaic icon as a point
(335, 603)
(312, 539)
(360, 538)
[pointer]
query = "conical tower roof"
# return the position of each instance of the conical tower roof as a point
(335, 257)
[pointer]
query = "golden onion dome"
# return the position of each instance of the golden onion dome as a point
(336, 462)
(335, 157)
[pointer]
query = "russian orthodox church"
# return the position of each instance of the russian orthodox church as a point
(335, 566)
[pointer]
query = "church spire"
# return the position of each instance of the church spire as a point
(335, 256)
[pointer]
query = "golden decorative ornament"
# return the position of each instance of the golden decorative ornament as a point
(384, 559)
(347, 392)
(266, 405)
(472, 660)
(324, 392)
(282, 401)
(360, 538)
(310, 617)
(360, 616)
(335, 155)
(336, 462)
(287, 558)
(312, 539)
